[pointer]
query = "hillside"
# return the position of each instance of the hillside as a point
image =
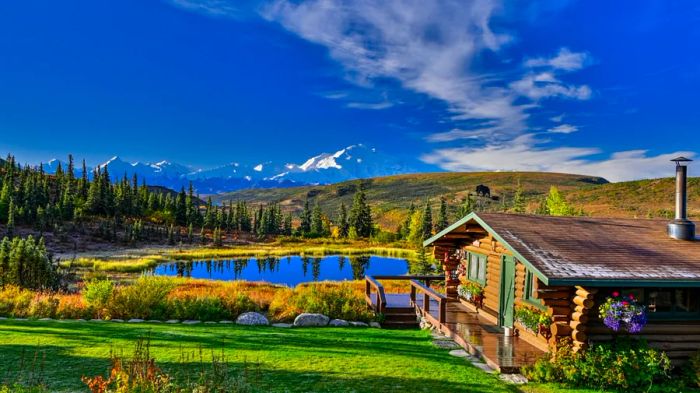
(391, 196)
(641, 198)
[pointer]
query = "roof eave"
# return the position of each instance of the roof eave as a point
(483, 224)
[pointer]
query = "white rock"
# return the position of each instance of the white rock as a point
(309, 319)
(516, 379)
(45, 319)
(226, 322)
(252, 318)
(209, 323)
(375, 325)
(191, 322)
(80, 320)
(3, 318)
(338, 322)
(460, 353)
(446, 344)
(21, 319)
(282, 325)
(359, 324)
(154, 321)
(483, 367)
(171, 321)
(135, 320)
(117, 320)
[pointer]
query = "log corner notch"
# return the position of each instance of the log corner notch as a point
(450, 262)
(558, 303)
(583, 303)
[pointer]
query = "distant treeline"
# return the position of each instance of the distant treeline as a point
(31, 197)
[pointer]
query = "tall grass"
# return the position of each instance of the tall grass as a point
(182, 298)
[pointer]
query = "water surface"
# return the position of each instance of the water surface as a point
(290, 270)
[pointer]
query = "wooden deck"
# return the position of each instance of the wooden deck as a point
(473, 332)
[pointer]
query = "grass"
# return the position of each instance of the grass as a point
(279, 360)
(391, 196)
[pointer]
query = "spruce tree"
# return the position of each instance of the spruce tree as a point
(343, 224)
(11, 220)
(518, 199)
(317, 221)
(427, 222)
(361, 215)
(442, 221)
(305, 226)
(466, 207)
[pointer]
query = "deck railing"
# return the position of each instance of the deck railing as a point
(428, 294)
(374, 287)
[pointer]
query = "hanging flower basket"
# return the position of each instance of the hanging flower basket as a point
(623, 313)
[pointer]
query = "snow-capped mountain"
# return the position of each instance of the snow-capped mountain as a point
(353, 162)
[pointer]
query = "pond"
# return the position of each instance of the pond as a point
(289, 270)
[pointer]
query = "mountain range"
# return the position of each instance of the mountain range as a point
(353, 162)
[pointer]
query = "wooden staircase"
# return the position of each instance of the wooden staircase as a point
(400, 318)
(398, 310)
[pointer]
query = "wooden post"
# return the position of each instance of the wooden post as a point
(449, 264)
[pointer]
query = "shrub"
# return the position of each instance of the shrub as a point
(336, 300)
(693, 369)
(44, 306)
(72, 307)
(140, 373)
(97, 294)
(15, 301)
(625, 364)
(202, 308)
(144, 299)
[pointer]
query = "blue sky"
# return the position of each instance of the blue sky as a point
(595, 87)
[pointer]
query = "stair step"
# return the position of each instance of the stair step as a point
(399, 310)
(399, 325)
(400, 318)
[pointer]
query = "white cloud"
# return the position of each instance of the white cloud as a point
(370, 105)
(223, 8)
(557, 119)
(564, 60)
(525, 153)
(428, 46)
(563, 129)
(546, 85)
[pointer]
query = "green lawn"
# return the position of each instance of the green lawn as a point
(279, 360)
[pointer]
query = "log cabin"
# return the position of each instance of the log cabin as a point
(566, 267)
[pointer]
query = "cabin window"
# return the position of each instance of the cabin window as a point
(477, 268)
(530, 290)
(669, 303)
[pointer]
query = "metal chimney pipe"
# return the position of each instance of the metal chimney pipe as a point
(681, 228)
(681, 192)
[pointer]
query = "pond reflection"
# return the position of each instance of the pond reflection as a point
(289, 270)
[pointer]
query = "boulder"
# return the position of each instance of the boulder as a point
(135, 320)
(309, 319)
(282, 325)
(252, 318)
(117, 320)
(226, 322)
(191, 322)
(338, 322)
(359, 324)
(45, 319)
(172, 321)
(375, 325)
